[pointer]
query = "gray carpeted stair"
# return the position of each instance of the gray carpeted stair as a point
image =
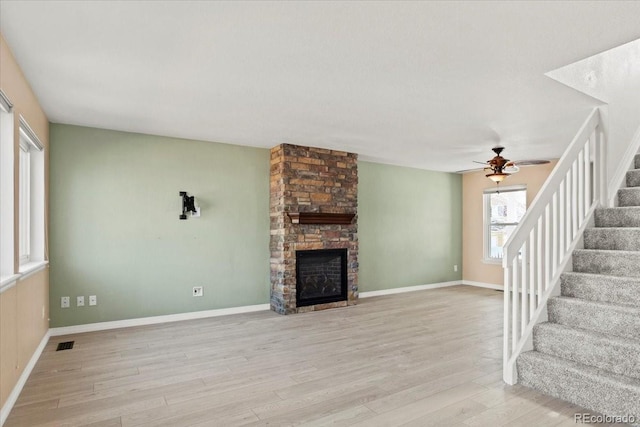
(614, 354)
(618, 238)
(627, 216)
(633, 178)
(592, 388)
(596, 316)
(629, 196)
(589, 351)
(601, 288)
(611, 263)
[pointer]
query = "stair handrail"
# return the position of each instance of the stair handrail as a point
(540, 248)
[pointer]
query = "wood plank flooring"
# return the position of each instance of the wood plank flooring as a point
(428, 358)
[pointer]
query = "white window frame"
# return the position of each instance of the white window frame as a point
(24, 200)
(30, 198)
(486, 220)
(7, 248)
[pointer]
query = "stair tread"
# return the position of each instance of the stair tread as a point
(599, 316)
(621, 216)
(587, 332)
(586, 386)
(603, 351)
(608, 251)
(621, 290)
(599, 304)
(614, 228)
(603, 277)
(587, 370)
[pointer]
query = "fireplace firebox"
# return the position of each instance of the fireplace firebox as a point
(321, 276)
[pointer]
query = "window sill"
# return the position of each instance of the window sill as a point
(30, 268)
(8, 282)
(492, 261)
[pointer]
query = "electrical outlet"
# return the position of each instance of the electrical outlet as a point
(80, 301)
(455, 267)
(198, 291)
(93, 300)
(65, 302)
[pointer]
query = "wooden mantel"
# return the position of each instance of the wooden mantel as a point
(320, 218)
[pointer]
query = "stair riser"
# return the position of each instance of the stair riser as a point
(598, 318)
(618, 217)
(612, 239)
(633, 178)
(621, 290)
(609, 263)
(595, 394)
(629, 196)
(621, 357)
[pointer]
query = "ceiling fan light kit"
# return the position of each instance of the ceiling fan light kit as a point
(497, 177)
(497, 166)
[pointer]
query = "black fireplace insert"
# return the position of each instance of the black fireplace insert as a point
(321, 276)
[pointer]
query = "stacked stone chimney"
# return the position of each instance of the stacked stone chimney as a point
(306, 180)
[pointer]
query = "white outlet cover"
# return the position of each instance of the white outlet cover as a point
(80, 301)
(93, 300)
(65, 302)
(198, 291)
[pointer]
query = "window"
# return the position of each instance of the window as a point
(30, 197)
(6, 189)
(503, 210)
(24, 228)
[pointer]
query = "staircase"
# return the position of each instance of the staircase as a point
(588, 353)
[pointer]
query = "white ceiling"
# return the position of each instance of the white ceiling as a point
(431, 85)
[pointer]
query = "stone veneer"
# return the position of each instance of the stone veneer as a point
(306, 179)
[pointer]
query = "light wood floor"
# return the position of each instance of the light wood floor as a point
(428, 358)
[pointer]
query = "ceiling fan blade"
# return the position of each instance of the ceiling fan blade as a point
(532, 162)
(480, 163)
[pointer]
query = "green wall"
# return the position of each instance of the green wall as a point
(115, 232)
(409, 226)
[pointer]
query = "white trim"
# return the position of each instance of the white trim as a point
(31, 268)
(8, 282)
(369, 294)
(17, 389)
(618, 180)
(5, 103)
(483, 285)
(517, 187)
(127, 323)
(30, 135)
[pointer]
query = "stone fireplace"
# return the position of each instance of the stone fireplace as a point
(314, 241)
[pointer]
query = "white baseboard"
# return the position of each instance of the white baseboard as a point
(127, 323)
(482, 285)
(17, 389)
(116, 324)
(369, 294)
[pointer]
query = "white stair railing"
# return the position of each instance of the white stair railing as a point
(540, 248)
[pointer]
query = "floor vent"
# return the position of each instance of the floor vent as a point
(65, 345)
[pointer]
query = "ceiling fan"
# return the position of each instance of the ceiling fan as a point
(499, 168)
